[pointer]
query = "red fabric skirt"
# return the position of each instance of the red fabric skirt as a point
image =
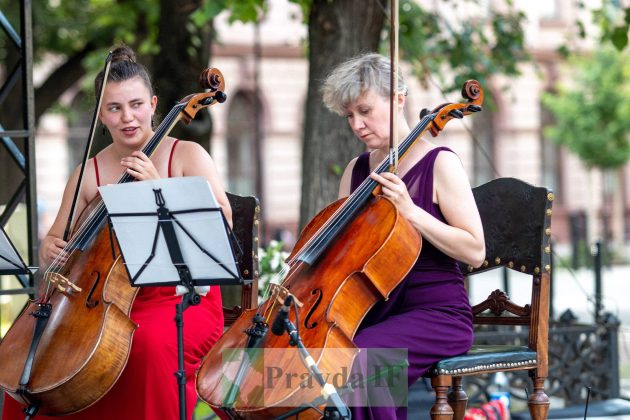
(147, 388)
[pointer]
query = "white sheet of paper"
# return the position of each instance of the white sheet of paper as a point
(136, 234)
(8, 252)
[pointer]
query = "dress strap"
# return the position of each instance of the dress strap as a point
(360, 171)
(170, 158)
(98, 179)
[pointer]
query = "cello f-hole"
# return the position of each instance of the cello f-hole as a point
(89, 302)
(319, 294)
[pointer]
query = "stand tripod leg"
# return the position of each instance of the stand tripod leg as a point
(181, 373)
(30, 411)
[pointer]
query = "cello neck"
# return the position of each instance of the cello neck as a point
(353, 204)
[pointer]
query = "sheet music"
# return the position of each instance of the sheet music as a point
(10, 260)
(136, 234)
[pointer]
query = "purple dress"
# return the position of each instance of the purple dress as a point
(428, 313)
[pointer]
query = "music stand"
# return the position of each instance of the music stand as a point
(10, 260)
(193, 250)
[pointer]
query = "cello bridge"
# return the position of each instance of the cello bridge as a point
(62, 284)
(281, 293)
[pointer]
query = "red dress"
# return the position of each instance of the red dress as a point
(147, 388)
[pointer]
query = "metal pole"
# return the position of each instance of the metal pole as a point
(596, 250)
(258, 124)
(26, 32)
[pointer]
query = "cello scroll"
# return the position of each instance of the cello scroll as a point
(210, 79)
(472, 92)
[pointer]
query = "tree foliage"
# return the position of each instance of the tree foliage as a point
(592, 117)
(611, 22)
(459, 41)
(450, 40)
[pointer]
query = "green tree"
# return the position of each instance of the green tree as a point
(592, 116)
(478, 46)
(613, 20)
(178, 33)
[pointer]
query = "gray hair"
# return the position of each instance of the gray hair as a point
(351, 79)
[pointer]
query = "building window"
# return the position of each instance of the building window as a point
(550, 155)
(549, 10)
(483, 147)
(243, 164)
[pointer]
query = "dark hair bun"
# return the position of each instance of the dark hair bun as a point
(123, 53)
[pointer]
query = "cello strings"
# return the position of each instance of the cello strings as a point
(57, 263)
(336, 219)
(268, 310)
(358, 195)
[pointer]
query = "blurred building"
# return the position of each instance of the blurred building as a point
(508, 141)
(266, 74)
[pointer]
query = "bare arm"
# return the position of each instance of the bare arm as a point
(52, 244)
(195, 161)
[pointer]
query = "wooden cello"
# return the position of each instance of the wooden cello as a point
(351, 255)
(68, 348)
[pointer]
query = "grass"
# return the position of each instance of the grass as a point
(203, 412)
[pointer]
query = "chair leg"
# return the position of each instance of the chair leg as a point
(457, 398)
(441, 410)
(538, 402)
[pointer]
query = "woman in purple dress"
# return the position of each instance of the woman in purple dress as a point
(428, 314)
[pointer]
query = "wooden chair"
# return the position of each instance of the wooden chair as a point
(516, 219)
(245, 221)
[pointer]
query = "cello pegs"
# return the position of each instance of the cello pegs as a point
(220, 97)
(456, 113)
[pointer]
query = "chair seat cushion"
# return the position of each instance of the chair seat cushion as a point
(486, 358)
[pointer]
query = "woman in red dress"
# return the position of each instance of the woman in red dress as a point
(147, 388)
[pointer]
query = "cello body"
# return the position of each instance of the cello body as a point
(368, 259)
(77, 362)
(350, 256)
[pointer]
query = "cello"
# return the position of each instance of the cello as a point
(348, 257)
(67, 348)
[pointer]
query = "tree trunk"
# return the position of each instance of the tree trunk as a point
(338, 30)
(177, 67)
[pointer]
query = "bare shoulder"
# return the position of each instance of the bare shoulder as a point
(346, 179)
(449, 173)
(447, 159)
(89, 188)
(189, 146)
(448, 163)
(351, 164)
(190, 152)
